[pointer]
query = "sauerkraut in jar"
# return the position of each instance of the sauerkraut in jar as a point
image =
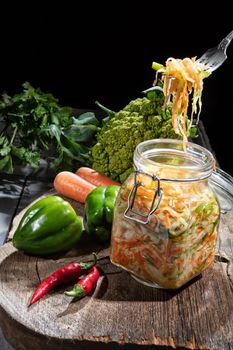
(166, 215)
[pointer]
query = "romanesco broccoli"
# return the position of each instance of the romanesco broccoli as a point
(142, 119)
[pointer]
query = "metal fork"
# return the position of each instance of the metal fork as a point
(214, 57)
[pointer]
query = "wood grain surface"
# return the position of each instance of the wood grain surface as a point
(120, 313)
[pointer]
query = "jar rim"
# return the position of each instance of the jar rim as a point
(196, 161)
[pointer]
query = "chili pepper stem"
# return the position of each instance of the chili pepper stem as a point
(85, 284)
(77, 292)
(87, 266)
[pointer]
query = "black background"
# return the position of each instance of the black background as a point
(103, 50)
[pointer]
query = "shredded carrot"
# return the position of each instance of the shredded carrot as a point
(177, 243)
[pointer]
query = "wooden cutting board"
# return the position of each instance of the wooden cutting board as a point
(120, 313)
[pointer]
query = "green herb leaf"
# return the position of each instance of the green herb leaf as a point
(81, 133)
(5, 147)
(86, 118)
(34, 122)
(6, 164)
(5, 150)
(53, 131)
(30, 157)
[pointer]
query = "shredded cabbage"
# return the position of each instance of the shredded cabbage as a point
(177, 244)
(181, 78)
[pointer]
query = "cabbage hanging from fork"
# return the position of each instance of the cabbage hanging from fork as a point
(182, 78)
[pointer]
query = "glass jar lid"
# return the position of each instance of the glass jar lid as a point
(222, 184)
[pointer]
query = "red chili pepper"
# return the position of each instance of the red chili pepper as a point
(63, 275)
(85, 284)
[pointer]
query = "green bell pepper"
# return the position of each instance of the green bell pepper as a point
(50, 226)
(98, 212)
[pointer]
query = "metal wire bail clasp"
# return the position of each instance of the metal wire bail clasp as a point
(143, 218)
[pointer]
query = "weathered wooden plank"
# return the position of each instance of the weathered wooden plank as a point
(198, 316)
(121, 313)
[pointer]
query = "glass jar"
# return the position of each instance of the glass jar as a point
(166, 215)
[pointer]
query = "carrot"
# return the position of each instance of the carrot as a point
(96, 178)
(72, 186)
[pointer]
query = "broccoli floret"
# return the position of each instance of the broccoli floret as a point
(145, 107)
(142, 119)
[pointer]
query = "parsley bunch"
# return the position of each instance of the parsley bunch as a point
(33, 124)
